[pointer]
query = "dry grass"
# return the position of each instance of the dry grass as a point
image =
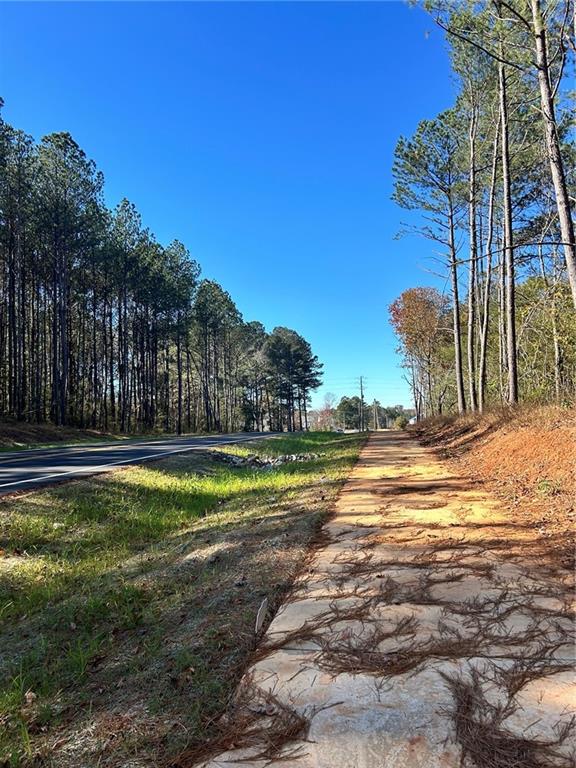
(16, 435)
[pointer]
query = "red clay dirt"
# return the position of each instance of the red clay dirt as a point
(527, 457)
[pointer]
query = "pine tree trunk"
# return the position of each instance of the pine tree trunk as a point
(553, 147)
(508, 242)
(471, 342)
(456, 316)
(503, 359)
(488, 276)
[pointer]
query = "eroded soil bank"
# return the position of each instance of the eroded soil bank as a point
(428, 630)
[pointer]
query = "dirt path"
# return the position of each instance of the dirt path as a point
(427, 627)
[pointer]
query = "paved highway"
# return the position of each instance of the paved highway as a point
(22, 470)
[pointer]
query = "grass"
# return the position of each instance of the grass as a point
(127, 601)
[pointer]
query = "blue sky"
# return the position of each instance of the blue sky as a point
(259, 134)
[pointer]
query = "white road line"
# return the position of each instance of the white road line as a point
(93, 470)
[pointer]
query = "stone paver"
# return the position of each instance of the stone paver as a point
(412, 542)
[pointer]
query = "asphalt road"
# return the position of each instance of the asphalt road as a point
(22, 470)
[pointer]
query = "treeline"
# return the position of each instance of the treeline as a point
(355, 413)
(491, 185)
(101, 326)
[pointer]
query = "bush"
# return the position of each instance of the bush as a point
(401, 422)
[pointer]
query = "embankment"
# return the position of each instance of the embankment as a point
(526, 456)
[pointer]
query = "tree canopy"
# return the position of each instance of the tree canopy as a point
(490, 182)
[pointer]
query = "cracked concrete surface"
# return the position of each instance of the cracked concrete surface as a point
(424, 580)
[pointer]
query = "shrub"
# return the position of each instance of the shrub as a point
(401, 422)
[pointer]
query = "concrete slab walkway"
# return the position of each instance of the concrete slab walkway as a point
(425, 630)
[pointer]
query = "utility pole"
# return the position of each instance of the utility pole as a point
(376, 419)
(361, 404)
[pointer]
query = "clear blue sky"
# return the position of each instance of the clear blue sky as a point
(259, 134)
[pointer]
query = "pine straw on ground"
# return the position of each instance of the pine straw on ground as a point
(256, 721)
(359, 653)
(527, 457)
(486, 742)
(480, 632)
(475, 628)
(366, 564)
(21, 434)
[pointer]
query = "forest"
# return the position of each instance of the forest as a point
(490, 184)
(103, 327)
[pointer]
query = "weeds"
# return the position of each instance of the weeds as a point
(549, 487)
